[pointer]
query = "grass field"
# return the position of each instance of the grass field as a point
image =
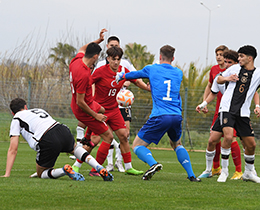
(168, 189)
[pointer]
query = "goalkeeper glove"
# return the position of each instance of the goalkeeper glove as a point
(120, 75)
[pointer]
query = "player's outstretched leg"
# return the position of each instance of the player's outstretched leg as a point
(72, 174)
(105, 174)
(85, 156)
(151, 171)
(184, 159)
(144, 154)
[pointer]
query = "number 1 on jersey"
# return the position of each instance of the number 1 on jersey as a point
(167, 98)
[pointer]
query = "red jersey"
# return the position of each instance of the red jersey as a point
(212, 74)
(106, 87)
(80, 82)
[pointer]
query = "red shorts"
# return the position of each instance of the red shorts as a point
(94, 125)
(114, 120)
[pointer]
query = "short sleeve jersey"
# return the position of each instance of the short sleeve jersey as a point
(212, 74)
(238, 96)
(32, 124)
(165, 81)
(106, 87)
(80, 82)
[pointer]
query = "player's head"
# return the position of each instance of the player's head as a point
(113, 41)
(246, 55)
(92, 49)
(230, 58)
(219, 54)
(167, 53)
(114, 55)
(17, 105)
(114, 52)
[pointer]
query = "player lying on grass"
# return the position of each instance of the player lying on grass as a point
(231, 58)
(48, 138)
(166, 116)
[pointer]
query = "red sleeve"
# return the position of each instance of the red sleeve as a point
(211, 76)
(96, 75)
(131, 80)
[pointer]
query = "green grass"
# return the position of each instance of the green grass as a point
(168, 189)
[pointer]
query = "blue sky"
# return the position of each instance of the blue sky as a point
(180, 23)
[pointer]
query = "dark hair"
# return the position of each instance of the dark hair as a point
(248, 50)
(115, 51)
(17, 104)
(221, 47)
(113, 38)
(92, 49)
(231, 54)
(167, 52)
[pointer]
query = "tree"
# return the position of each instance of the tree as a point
(195, 80)
(138, 55)
(61, 57)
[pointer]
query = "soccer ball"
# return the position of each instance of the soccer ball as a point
(125, 98)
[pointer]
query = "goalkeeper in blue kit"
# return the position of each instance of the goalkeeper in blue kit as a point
(165, 81)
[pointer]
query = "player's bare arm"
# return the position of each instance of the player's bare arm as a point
(139, 83)
(210, 98)
(257, 108)
(98, 41)
(231, 78)
(11, 155)
(82, 104)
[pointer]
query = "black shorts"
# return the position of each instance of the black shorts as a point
(126, 113)
(56, 140)
(241, 124)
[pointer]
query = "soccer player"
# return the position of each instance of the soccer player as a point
(113, 41)
(231, 58)
(166, 116)
(48, 138)
(220, 67)
(85, 109)
(106, 90)
(234, 111)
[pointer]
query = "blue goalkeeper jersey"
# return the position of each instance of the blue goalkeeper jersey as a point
(165, 81)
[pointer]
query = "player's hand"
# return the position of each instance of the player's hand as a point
(257, 111)
(205, 110)
(148, 86)
(233, 78)
(198, 109)
(120, 75)
(100, 117)
(101, 34)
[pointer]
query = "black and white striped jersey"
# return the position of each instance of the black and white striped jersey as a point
(32, 124)
(238, 96)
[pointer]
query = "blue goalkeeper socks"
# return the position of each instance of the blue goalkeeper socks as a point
(145, 155)
(184, 159)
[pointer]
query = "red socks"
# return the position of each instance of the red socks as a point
(127, 157)
(216, 163)
(102, 153)
(236, 155)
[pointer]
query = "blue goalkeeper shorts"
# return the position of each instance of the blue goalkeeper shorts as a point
(155, 127)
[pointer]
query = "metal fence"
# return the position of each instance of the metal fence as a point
(55, 98)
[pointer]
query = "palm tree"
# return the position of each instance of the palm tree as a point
(194, 82)
(138, 55)
(61, 57)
